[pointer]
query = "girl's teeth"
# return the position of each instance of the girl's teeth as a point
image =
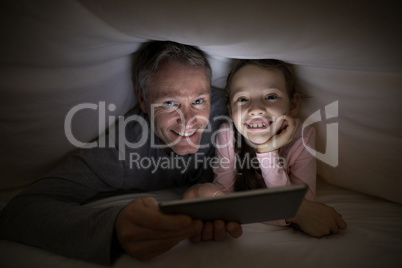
(257, 125)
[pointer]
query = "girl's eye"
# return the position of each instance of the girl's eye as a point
(242, 99)
(198, 101)
(271, 97)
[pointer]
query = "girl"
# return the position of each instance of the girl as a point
(266, 148)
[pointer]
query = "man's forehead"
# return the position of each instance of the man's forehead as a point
(179, 80)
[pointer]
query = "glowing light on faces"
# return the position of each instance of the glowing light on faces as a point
(258, 97)
(179, 106)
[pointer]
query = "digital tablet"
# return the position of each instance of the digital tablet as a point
(242, 207)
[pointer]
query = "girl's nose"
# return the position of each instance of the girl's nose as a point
(256, 108)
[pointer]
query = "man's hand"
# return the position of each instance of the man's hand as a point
(212, 230)
(144, 232)
(317, 219)
(285, 127)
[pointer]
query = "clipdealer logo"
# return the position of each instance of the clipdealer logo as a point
(330, 157)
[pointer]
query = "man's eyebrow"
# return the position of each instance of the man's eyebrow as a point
(168, 96)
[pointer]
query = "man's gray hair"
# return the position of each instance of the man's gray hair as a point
(158, 52)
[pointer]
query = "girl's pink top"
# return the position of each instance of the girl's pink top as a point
(291, 164)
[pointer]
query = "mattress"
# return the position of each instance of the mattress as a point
(373, 238)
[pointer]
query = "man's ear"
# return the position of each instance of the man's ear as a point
(141, 100)
(294, 105)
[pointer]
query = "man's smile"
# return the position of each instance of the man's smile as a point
(185, 133)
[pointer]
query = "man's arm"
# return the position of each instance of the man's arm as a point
(58, 223)
(50, 213)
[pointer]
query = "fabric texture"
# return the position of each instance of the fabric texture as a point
(372, 239)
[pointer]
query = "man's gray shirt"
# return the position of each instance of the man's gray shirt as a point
(50, 213)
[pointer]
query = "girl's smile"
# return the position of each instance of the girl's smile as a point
(258, 98)
(258, 124)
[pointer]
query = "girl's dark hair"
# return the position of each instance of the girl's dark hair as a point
(247, 178)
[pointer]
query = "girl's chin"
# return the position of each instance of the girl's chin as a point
(258, 140)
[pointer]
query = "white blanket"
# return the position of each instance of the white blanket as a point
(373, 238)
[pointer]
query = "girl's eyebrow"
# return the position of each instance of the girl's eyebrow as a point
(240, 92)
(246, 91)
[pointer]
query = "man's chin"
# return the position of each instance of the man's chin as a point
(184, 150)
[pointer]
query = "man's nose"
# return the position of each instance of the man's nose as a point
(187, 117)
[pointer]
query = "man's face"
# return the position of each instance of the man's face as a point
(178, 104)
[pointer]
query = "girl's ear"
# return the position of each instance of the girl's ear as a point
(141, 100)
(294, 105)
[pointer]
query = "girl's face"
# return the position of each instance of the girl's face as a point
(257, 98)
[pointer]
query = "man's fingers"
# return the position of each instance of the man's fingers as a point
(142, 233)
(234, 229)
(147, 249)
(152, 218)
(219, 230)
(208, 231)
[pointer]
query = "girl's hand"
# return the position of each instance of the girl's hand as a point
(285, 127)
(317, 219)
(202, 190)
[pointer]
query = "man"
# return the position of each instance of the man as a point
(173, 89)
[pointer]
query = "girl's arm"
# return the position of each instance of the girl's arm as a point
(313, 218)
(295, 167)
(225, 170)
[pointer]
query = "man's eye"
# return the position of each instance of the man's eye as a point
(271, 97)
(168, 103)
(198, 101)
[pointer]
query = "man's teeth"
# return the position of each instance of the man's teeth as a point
(185, 134)
(257, 125)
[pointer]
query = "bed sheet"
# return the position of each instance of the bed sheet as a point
(373, 239)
